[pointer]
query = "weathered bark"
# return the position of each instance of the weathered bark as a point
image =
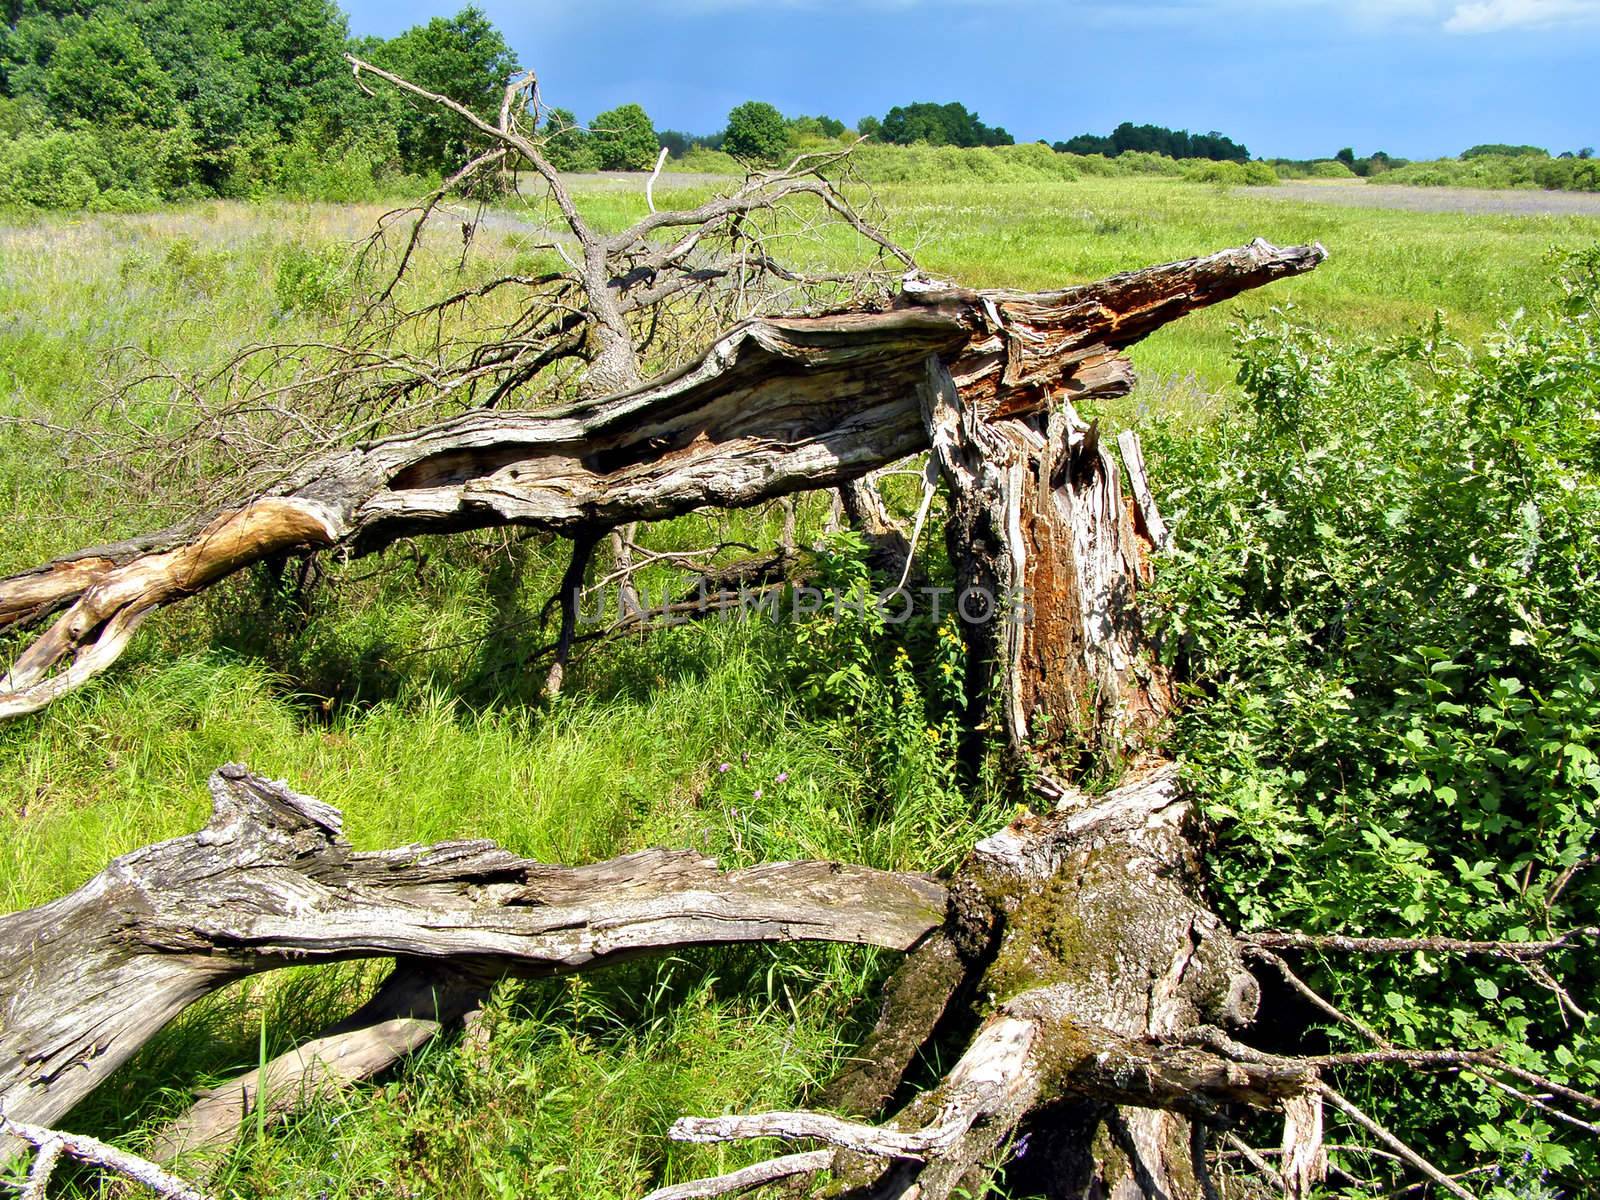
(269, 882)
(1100, 961)
(775, 407)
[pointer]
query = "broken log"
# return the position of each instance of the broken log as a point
(271, 882)
(776, 406)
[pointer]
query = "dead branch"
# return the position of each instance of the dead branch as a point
(775, 407)
(1519, 951)
(271, 882)
(53, 1144)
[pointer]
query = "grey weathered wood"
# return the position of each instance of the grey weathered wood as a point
(776, 406)
(1152, 526)
(269, 882)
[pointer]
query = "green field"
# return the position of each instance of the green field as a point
(395, 690)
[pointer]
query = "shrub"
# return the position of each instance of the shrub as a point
(309, 279)
(1386, 593)
(47, 171)
(122, 200)
(710, 162)
(1038, 161)
(1230, 174)
(1330, 169)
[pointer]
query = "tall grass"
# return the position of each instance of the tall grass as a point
(399, 690)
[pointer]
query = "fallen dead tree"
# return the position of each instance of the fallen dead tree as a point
(1105, 1000)
(775, 407)
(1084, 927)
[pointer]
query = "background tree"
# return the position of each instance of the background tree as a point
(567, 143)
(104, 72)
(624, 139)
(818, 126)
(940, 125)
(464, 57)
(1157, 139)
(676, 141)
(756, 131)
(1500, 149)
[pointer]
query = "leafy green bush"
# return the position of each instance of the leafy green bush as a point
(1569, 174)
(1231, 174)
(1500, 171)
(310, 279)
(46, 171)
(123, 200)
(1386, 591)
(896, 686)
(1330, 169)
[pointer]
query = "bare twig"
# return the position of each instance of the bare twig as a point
(52, 1144)
(1411, 1157)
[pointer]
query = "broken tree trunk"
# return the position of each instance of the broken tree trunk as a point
(270, 882)
(774, 407)
(1098, 965)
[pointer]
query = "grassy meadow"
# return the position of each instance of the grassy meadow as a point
(397, 688)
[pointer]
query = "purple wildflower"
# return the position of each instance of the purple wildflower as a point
(724, 768)
(783, 777)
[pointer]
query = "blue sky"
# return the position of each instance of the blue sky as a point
(1293, 78)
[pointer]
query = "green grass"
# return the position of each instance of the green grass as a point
(397, 691)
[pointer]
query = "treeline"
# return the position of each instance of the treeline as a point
(1156, 139)
(934, 125)
(625, 139)
(1494, 165)
(114, 104)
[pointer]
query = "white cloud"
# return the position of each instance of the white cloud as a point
(1491, 16)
